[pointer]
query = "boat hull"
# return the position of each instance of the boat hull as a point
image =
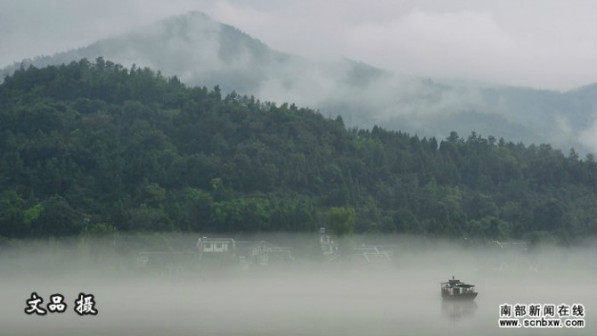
(460, 297)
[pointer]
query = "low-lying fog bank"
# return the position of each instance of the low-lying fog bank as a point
(369, 286)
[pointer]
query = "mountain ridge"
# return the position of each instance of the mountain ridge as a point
(201, 51)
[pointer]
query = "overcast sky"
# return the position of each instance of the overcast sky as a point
(543, 43)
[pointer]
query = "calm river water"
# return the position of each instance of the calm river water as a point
(397, 298)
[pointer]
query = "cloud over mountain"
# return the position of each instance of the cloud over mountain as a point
(202, 51)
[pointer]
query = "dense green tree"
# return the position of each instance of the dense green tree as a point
(95, 147)
(12, 219)
(341, 220)
(57, 218)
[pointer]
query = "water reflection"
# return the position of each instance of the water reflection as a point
(456, 310)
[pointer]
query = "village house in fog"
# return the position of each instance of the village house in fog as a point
(216, 245)
(329, 246)
(255, 253)
(370, 254)
(248, 253)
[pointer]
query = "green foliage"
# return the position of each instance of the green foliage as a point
(341, 220)
(32, 213)
(95, 148)
(58, 218)
(99, 229)
(12, 222)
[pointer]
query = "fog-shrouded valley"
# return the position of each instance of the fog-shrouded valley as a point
(231, 168)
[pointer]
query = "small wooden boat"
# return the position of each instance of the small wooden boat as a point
(455, 289)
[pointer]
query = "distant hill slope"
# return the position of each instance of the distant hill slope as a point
(193, 47)
(93, 147)
(201, 51)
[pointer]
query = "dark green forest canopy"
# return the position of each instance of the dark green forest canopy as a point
(93, 147)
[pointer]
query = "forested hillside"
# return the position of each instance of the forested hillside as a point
(96, 147)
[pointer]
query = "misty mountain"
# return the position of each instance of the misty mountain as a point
(203, 52)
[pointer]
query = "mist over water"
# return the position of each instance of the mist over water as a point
(304, 296)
